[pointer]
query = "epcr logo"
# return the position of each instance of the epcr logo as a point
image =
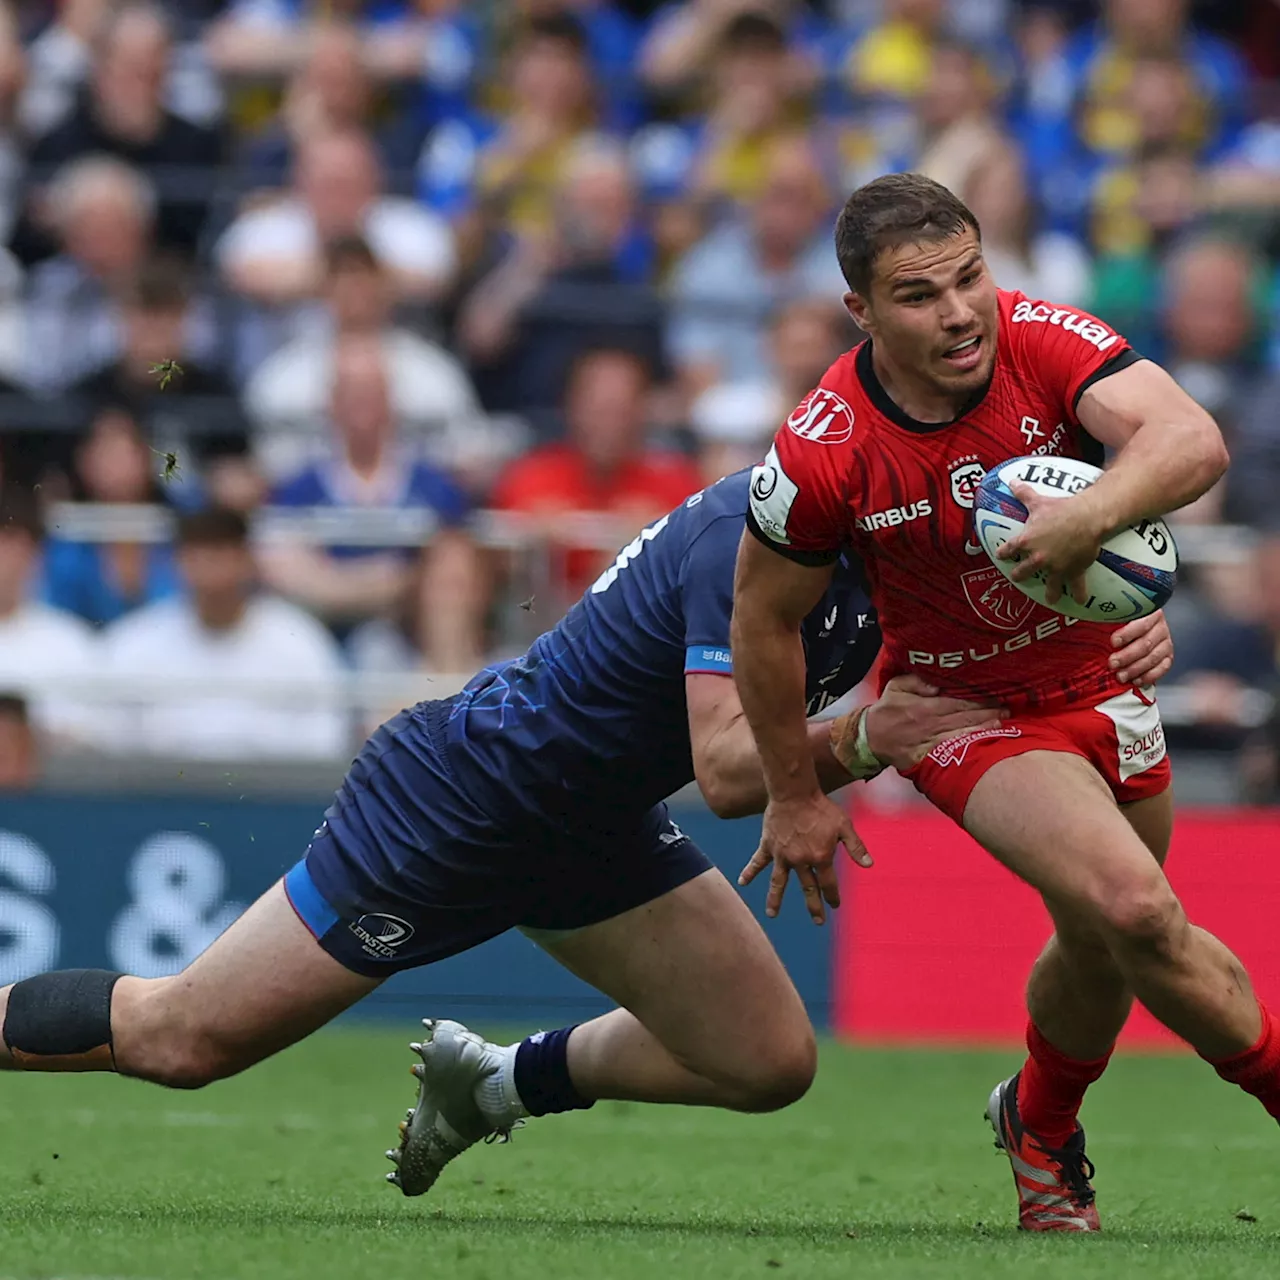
(822, 416)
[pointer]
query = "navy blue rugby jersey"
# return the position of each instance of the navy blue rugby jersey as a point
(592, 721)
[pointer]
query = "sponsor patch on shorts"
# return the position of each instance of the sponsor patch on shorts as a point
(1139, 734)
(954, 750)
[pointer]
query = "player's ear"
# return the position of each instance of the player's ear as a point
(856, 305)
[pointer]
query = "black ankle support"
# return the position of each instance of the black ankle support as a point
(61, 1021)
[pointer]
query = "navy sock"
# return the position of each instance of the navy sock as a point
(542, 1074)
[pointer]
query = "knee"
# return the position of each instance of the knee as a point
(162, 1042)
(778, 1074)
(1144, 917)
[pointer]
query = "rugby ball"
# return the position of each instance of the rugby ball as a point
(1135, 571)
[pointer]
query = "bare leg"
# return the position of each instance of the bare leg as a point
(263, 985)
(1076, 994)
(1076, 848)
(709, 1016)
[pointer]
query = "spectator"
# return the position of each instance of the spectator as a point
(604, 469)
(371, 469)
(331, 92)
(1253, 482)
(1210, 323)
(507, 170)
(683, 40)
(123, 114)
(734, 421)
(11, 157)
(726, 286)
(1104, 59)
(19, 762)
(275, 255)
(960, 131)
(432, 50)
(893, 60)
(431, 396)
(722, 156)
(102, 581)
(1042, 263)
(104, 215)
(582, 285)
(186, 656)
(160, 326)
(40, 646)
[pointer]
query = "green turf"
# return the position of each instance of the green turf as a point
(884, 1170)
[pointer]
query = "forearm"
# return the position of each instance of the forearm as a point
(731, 777)
(769, 671)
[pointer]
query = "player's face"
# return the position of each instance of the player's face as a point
(932, 313)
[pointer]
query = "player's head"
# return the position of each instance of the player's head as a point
(216, 564)
(911, 252)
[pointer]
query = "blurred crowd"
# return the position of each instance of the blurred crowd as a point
(549, 258)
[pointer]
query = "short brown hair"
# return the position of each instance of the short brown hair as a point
(899, 208)
(212, 527)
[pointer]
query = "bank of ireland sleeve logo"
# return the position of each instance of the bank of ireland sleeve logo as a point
(822, 416)
(772, 495)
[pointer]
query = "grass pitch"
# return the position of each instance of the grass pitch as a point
(885, 1170)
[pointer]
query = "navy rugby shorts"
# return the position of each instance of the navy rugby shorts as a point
(407, 869)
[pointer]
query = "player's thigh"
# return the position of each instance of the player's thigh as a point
(1152, 818)
(695, 967)
(264, 984)
(1051, 819)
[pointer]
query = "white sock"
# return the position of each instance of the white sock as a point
(496, 1094)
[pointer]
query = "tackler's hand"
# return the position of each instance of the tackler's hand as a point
(1060, 540)
(910, 718)
(1143, 650)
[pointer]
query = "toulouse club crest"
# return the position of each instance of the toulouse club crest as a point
(822, 416)
(995, 599)
(966, 476)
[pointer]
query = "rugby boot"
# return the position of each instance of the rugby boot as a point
(448, 1117)
(1054, 1190)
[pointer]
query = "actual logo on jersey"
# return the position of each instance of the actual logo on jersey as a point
(381, 934)
(954, 750)
(1084, 327)
(772, 494)
(822, 416)
(995, 599)
(966, 475)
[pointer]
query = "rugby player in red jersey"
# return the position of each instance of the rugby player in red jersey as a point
(1071, 792)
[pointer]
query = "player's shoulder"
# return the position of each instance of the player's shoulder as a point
(837, 408)
(1027, 323)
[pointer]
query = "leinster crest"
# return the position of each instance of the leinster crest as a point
(995, 599)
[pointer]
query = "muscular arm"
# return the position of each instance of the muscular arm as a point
(1170, 450)
(726, 760)
(771, 597)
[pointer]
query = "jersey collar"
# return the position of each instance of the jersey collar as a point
(889, 408)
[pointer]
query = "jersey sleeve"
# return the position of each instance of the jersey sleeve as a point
(1067, 350)
(801, 492)
(706, 595)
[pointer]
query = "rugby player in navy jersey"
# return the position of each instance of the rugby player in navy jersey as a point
(533, 800)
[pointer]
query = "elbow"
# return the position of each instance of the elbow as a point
(1213, 455)
(723, 797)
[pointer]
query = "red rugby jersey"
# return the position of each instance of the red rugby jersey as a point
(850, 469)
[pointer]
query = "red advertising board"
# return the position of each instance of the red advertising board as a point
(935, 942)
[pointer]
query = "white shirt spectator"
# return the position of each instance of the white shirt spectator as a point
(40, 643)
(288, 398)
(404, 236)
(165, 647)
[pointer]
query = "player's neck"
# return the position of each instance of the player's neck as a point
(916, 397)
